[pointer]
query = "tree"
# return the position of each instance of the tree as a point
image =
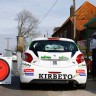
(27, 24)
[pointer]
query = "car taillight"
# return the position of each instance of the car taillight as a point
(27, 57)
(80, 58)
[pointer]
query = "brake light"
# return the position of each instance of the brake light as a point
(27, 57)
(80, 58)
(53, 38)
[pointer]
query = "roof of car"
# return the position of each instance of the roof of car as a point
(53, 38)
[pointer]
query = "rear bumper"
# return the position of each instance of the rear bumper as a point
(34, 79)
(36, 74)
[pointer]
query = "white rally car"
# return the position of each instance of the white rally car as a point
(53, 60)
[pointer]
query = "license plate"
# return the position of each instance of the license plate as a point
(54, 62)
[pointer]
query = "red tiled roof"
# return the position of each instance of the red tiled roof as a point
(84, 13)
(80, 24)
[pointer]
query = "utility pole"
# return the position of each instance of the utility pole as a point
(8, 42)
(74, 4)
(47, 34)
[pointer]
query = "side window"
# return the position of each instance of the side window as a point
(71, 47)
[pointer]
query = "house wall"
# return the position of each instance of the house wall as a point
(66, 31)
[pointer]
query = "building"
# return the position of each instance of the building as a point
(84, 14)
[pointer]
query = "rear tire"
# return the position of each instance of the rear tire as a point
(22, 86)
(81, 86)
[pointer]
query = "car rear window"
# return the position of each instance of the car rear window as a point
(53, 46)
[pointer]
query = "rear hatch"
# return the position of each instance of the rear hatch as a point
(52, 59)
(53, 53)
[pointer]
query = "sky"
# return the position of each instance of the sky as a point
(56, 17)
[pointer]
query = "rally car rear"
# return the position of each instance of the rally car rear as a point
(53, 60)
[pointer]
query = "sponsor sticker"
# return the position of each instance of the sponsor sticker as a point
(25, 65)
(80, 71)
(28, 70)
(55, 76)
(82, 74)
(45, 57)
(29, 74)
(82, 65)
(63, 58)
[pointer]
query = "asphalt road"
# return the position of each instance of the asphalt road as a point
(45, 90)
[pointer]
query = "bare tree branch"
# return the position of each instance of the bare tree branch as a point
(27, 24)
